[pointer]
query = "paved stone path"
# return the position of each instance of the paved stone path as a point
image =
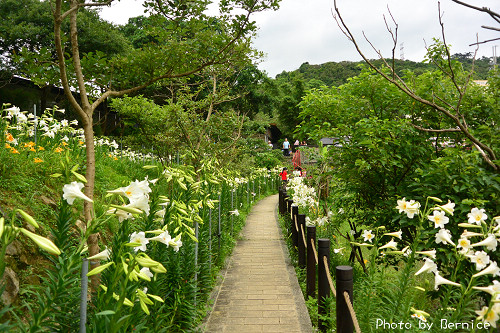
(260, 292)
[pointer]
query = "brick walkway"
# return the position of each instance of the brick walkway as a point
(260, 292)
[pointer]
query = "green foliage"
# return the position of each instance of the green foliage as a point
(379, 156)
(269, 159)
(27, 31)
(460, 177)
(191, 207)
(338, 73)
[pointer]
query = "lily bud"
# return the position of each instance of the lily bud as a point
(79, 176)
(469, 225)
(2, 226)
(127, 302)
(145, 261)
(362, 244)
(143, 276)
(156, 298)
(127, 209)
(27, 217)
(99, 269)
(42, 242)
(159, 269)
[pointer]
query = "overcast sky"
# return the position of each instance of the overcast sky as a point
(305, 31)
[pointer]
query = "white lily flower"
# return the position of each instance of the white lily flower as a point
(439, 280)
(493, 289)
(121, 214)
(492, 269)
(429, 266)
(139, 237)
(481, 259)
(103, 255)
(439, 218)
(431, 253)
(147, 272)
(490, 242)
(444, 236)
(134, 190)
(468, 234)
(367, 235)
(397, 234)
(235, 212)
(72, 191)
(161, 213)
(448, 208)
(490, 316)
(141, 203)
(476, 216)
(409, 207)
(391, 245)
(176, 243)
(464, 244)
(164, 238)
(339, 250)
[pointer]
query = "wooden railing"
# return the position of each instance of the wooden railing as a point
(304, 241)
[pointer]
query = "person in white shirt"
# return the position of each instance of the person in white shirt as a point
(286, 148)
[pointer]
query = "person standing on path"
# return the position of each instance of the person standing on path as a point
(286, 148)
(284, 176)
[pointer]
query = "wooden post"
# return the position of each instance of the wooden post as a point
(344, 283)
(289, 203)
(301, 224)
(311, 262)
(281, 201)
(295, 234)
(323, 286)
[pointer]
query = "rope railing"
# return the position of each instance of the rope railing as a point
(346, 296)
(329, 276)
(351, 310)
(313, 246)
(298, 226)
(303, 236)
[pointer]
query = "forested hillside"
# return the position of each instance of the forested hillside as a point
(337, 73)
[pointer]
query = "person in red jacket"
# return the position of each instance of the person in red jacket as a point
(284, 176)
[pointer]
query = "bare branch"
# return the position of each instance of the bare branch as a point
(431, 130)
(486, 41)
(490, 28)
(83, 4)
(394, 37)
(489, 155)
(485, 156)
(494, 15)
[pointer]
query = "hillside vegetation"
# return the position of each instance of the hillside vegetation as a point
(337, 73)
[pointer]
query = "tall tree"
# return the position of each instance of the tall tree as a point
(187, 41)
(27, 38)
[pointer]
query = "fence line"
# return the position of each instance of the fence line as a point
(345, 326)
